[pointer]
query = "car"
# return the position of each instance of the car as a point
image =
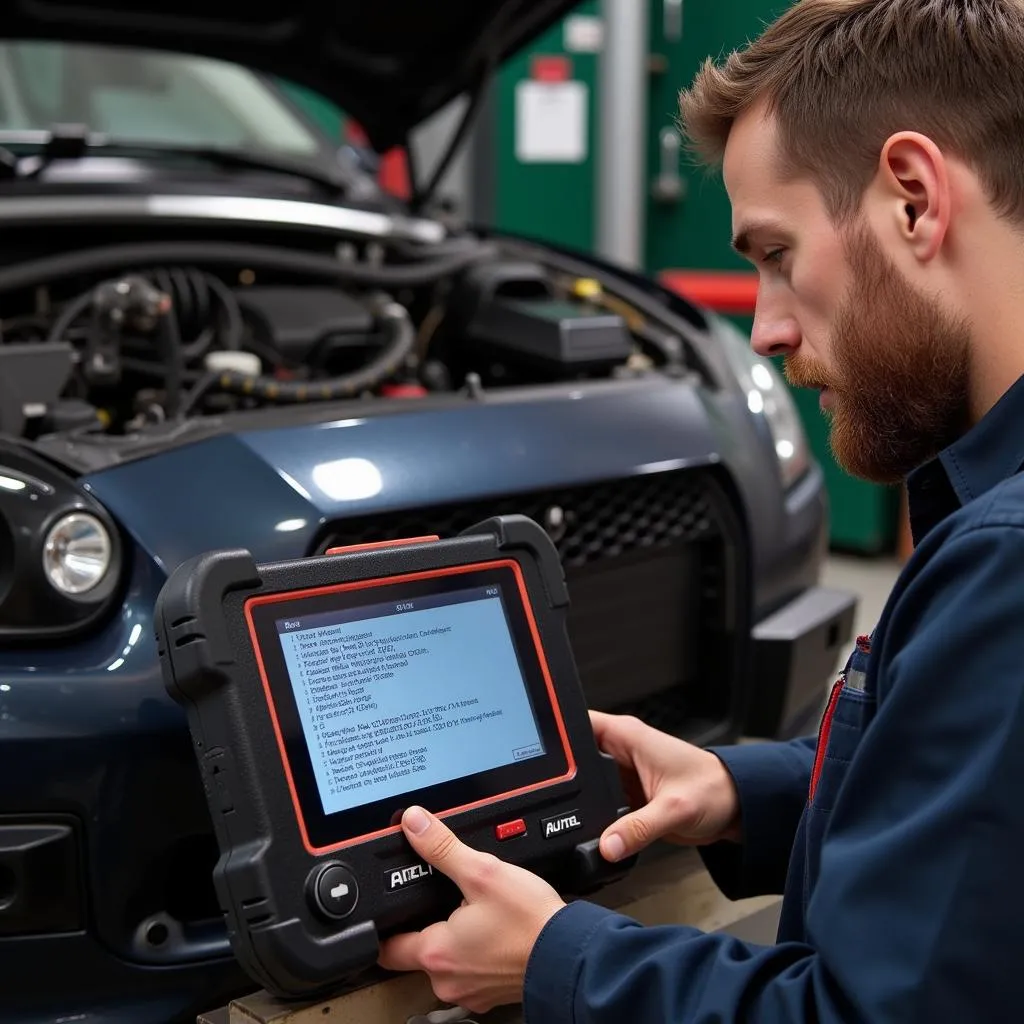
(218, 331)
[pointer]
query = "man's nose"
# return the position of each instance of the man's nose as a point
(774, 333)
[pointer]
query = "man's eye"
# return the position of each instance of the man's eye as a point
(775, 256)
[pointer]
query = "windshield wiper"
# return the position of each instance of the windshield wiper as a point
(75, 142)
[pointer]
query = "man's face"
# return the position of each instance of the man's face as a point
(890, 364)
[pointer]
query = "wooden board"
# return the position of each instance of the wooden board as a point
(669, 886)
(396, 999)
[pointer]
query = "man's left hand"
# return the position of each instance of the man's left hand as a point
(477, 958)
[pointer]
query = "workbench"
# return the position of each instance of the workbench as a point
(668, 886)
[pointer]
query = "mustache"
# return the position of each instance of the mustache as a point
(801, 373)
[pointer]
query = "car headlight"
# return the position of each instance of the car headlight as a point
(768, 395)
(76, 553)
(60, 553)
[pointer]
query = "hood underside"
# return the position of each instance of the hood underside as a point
(389, 64)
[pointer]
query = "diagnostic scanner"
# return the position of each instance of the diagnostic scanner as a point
(326, 695)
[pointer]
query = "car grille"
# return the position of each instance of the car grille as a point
(656, 583)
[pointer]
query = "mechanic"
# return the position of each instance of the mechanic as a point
(873, 152)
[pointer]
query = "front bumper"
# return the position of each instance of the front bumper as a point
(151, 995)
(795, 651)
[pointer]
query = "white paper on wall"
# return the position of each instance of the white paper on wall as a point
(551, 122)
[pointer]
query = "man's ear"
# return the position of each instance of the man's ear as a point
(913, 183)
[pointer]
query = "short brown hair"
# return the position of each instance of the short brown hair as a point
(840, 76)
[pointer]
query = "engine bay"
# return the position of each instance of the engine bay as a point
(119, 338)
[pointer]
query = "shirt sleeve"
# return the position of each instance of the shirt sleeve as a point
(915, 916)
(772, 781)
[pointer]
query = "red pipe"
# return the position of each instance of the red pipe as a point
(729, 292)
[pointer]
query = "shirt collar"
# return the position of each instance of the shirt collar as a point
(990, 452)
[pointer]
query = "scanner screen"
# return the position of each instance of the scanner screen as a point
(401, 695)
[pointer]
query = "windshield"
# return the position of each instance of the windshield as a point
(143, 96)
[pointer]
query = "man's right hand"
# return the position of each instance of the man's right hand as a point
(678, 792)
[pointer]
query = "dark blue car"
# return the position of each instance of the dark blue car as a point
(216, 331)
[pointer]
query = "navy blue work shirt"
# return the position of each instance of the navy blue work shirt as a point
(900, 848)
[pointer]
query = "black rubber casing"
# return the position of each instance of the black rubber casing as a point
(264, 874)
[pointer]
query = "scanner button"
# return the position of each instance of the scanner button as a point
(335, 891)
(510, 829)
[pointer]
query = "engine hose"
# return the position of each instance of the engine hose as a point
(232, 339)
(120, 257)
(382, 366)
(71, 312)
(193, 292)
(190, 296)
(174, 362)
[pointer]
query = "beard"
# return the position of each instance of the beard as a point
(900, 380)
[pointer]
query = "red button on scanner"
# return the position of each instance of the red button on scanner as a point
(510, 829)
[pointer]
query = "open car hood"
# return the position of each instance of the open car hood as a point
(389, 64)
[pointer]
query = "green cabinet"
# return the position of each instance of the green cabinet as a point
(690, 229)
(548, 197)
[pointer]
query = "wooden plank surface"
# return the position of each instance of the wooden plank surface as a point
(396, 999)
(669, 886)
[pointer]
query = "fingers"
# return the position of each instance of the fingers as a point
(435, 842)
(617, 735)
(600, 723)
(636, 831)
(403, 952)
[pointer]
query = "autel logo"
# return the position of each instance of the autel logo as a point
(402, 878)
(561, 823)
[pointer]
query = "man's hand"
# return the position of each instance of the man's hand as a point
(477, 958)
(679, 792)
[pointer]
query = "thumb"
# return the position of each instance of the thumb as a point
(633, 832)
(438, 845)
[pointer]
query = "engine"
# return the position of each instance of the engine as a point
(118, 338)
